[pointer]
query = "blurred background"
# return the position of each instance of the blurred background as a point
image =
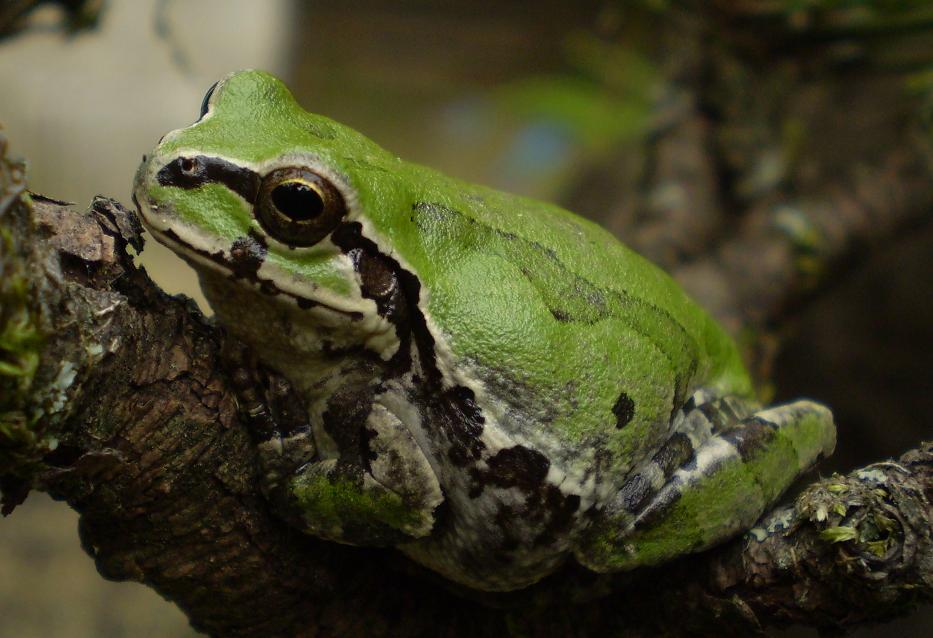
(519, 95)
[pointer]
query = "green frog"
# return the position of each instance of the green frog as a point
(490, 384)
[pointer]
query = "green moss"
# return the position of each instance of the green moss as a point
(21, 339)
(839, 534)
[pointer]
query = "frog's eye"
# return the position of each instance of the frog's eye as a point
(298, 207)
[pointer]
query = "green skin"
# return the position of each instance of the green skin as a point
(543, 393)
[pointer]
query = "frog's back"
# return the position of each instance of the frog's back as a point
(570, 332)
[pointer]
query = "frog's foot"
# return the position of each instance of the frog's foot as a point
(383, 494)
(379, 490)
(276, 418)
(690, 498)
(390, 499)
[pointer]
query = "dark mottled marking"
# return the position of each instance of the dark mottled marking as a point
(624, 409)
(462, 422)
(397, 301)
(396, 292)
(720, 414)
(424, 340)
(560, 315)
(377, 277)
(266, 286)
(634, 493)
(561, 510)
(546, 508)
(728, 407)
(690, 405)
(727, 415)
(350, 351)
(603, 459)
(680, 390)
(676, 451)
(720, 411)
(516, 466)
(750, 436)
(344, 420)
(691, 464)
(272, 407)
(247, 255)
(193, 172)
(658, 507)
(367, 455)
(379, 283)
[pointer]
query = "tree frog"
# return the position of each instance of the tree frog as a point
(491, 384)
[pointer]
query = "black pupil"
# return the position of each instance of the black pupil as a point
(299, 202)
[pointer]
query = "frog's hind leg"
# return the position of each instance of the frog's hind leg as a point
(720, 469)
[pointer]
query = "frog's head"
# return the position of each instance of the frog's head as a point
(254, 191)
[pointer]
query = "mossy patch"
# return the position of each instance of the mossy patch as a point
(21, 338)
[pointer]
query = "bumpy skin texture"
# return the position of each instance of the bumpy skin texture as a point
(493, 384)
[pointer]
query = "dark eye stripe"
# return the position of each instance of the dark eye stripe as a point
(192, 172)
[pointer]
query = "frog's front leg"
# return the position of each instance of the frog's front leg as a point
(712, 484)
(379, 489)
